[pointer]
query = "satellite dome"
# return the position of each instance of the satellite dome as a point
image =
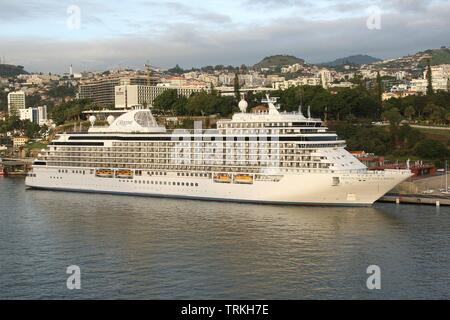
(110, 119)
(92, 120)
(243, 105)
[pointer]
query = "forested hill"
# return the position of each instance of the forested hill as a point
(278, 61)
(9, 70)
(358, 59)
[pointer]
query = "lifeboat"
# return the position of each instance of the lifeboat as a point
(243, 179)
(2, 172)
(124, 174)
(222, 178)
(104, 173)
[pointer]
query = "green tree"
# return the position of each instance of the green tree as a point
(33, 100)
(410, 112)
(393, 116)
(176, 70)
(430, 90)
(165, 102)
(31, 129)
(237, 94)
(71, 110)
(3, 101)
(379, 93)
(203, 103)
(431, 149)
(179, 107)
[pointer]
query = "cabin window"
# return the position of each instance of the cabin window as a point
(336, 181)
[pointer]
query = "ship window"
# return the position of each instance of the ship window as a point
(336, 181)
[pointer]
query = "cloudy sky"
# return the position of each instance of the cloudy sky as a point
(49, 35)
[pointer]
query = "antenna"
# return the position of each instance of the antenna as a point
(271, 101)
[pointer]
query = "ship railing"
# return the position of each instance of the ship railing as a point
(373, 172)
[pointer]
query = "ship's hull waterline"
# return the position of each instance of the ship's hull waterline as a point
(346, 189)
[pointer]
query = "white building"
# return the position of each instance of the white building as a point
(226, 79)
(127, 96)
(26, 114)
(292, 68)
(419, 85)
(440, 71)
(42, 115)
(304, 81)
(16, 101)
(440, 79)
(325, 77)
(37, 115)
(342, 84)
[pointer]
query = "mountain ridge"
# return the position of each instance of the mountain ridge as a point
(357, 59)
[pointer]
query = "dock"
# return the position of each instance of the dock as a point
(420, 199)
(15, 167)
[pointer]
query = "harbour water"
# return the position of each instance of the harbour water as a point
(149, 248)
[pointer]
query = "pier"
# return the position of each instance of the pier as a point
(13, 166)
(433, 190)
(434, 200)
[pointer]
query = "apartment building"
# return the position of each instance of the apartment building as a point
(102, 91)
(127, 96)
(16, 101)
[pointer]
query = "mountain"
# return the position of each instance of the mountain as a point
(358, 59)
(417, 62)
(8, 70)
(278, 61)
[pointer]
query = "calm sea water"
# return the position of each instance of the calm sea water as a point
(149, 248)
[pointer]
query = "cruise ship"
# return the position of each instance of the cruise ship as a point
(266, 157)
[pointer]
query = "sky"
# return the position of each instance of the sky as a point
(49, 35)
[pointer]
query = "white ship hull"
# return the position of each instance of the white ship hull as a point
(353, 189)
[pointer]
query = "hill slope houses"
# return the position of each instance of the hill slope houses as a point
(417, 61)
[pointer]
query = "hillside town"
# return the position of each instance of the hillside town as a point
(34, 98)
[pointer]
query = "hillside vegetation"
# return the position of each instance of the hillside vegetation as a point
(8, 70)
(358, 59)
(278, 61)
(438, 56)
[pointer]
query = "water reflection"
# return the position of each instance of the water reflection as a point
(134, 247)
